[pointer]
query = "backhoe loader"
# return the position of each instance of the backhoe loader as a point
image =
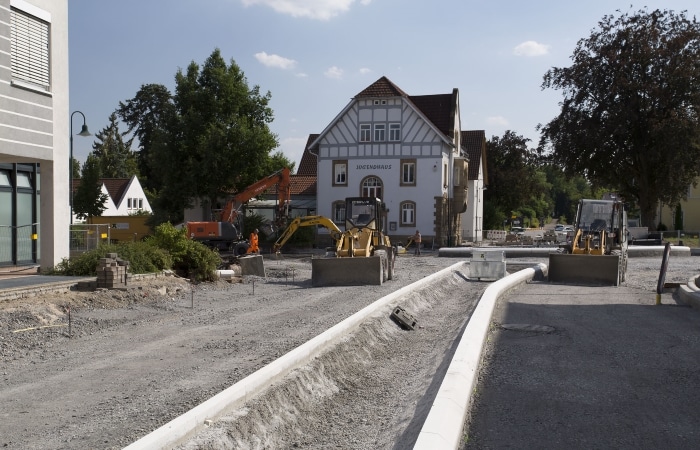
(362, 254)
(597, 253)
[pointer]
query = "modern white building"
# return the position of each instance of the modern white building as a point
(408, 151)
(34, 132)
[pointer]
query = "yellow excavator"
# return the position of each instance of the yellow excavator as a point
(597, 253)
(362, 254)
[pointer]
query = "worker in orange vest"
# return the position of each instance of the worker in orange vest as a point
(253, 248)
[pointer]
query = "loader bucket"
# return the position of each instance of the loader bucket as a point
(593, 270)
(346, 271)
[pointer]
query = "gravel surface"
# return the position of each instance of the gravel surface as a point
(138, 358)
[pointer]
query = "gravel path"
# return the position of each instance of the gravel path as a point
(139, 358)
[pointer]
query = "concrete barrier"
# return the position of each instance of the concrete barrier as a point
(443, 426)
(543, 252)
(188, 424)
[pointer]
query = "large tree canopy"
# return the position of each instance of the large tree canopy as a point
(114, 155)
(209, 139)
(630, 115)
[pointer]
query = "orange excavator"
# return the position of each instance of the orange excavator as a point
(224, 235)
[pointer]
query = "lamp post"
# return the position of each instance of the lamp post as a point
(83, 132)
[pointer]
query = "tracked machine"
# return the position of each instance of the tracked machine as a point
(362, 254)
(597, 252)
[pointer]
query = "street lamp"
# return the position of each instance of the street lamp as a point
(83, 132)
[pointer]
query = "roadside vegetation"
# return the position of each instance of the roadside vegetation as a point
(168, 249)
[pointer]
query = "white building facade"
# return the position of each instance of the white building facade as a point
(34, 131)
(405, 150)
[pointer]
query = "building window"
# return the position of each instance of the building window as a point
(339, 212)
(30, 50)
(394, 132)
(365, 132)
(408, 214)
(379, 132)
(134, 203)
(371, 187)
(408, 172)
(340, 173)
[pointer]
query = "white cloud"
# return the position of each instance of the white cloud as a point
(531, 48)
(301, 75)
(313, 9)
(275, 61)
(497, 121)
(334, 72)
(365, 71)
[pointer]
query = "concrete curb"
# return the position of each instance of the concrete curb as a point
(690, 293)
(188, 424)
(541, 252)
(443, 426)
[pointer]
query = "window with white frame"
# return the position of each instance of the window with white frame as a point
(134, 203)
(30, 49)
(408, 214)
(340, 173)
(379, 132)
(339, 211)
(408, 172)
(372, 187)
(394, 132)
(365, 132)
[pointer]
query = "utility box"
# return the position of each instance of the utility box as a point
(487, 265)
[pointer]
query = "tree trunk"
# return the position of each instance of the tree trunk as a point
(648, 213)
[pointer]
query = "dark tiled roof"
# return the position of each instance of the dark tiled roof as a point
(116, 187)
(382, 88)
(303, 185)
(439, 109)
(474, 142)
(307, 165)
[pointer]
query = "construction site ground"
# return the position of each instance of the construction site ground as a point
(134, 359)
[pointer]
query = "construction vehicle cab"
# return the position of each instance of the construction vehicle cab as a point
(225, 233)
(597, 253)
(362, 254)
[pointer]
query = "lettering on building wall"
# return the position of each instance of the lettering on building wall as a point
(374, 167)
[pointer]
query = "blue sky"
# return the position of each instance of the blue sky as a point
(313, 56)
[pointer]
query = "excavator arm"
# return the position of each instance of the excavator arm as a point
(281, 178)
(307, 221)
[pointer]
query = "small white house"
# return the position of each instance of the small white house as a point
(125, 196)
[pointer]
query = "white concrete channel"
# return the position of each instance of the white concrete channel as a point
(443, 427)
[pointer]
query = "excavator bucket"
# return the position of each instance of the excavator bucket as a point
(591, 270)
(347, 271)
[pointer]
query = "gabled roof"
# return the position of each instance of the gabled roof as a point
(474, 142)
(307, 165)
(303, 185)
(383, 87)
(438, 109)
(116, 187)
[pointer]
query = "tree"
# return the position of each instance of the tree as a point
(207, 141)
(514, 181)
(629, 119)
(114, 155)
(150, 116)
(89, 200)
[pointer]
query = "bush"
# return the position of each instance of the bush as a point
(143, 258)
(168, 248)
(190, 258)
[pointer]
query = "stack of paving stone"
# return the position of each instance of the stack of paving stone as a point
(112, 272)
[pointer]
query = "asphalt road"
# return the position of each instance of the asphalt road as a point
(588, 367)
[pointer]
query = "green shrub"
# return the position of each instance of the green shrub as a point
(168, 248)
(190, 258)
